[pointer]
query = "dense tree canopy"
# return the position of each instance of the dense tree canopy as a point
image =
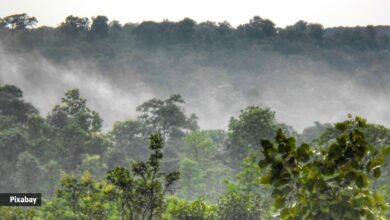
(87, 171)
(84, 173)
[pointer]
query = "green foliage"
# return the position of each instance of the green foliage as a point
(73, 25)
(18, 134)
(238, 205)
(16, 213)
(129, 139)
(142, 193)
(246, 131)
(338, 179)
(244, 195)
(51, 178)
(94, 165)
(257, 28)
(13, 105)
(177, 209)
(201, 169)
(200, 147)
(85, 198)
(29, 173)
(99, 26)
(166, 117)
(74, 130)
(330, 184)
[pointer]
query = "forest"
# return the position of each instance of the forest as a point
(161, 156)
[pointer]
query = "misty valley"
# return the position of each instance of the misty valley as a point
(194, 121)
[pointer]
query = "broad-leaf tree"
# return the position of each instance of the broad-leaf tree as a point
(333, 183)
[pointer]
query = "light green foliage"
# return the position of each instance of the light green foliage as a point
(330, 184)
(191, 183)
(248, 179)
(56, 209)
(245, 196)
(201, 169)
(200, 147)
(94, 165)
(178, 209)
(141, 193)
(235, 205)
(85, 197)
(16, 213)
(338, 179)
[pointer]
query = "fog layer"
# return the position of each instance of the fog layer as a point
(297, 88)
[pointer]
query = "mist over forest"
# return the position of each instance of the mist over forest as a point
(194, 121)
(305, 73)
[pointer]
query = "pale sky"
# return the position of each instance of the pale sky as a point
(283, 12)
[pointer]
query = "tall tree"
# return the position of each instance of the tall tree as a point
(143, 192)
(75, 130)
(167, 117)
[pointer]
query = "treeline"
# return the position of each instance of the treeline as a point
(161, 165)
(114, 39)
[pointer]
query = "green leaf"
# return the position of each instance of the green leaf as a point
(279, 202)
(362, 181)
(284, 214)
(377, 172)
(265, 180)
(324, 208)
(263, 163)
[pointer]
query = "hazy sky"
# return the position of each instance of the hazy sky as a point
(282, 12)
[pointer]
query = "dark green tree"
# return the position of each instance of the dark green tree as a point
(99, 26)
(257, 28)
(74, 129)
(74, 25)
(13, 105)
(16, 133)
(130, 138)
(333, 183)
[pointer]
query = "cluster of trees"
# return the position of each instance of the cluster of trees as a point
(327, 172)
(116, 39)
